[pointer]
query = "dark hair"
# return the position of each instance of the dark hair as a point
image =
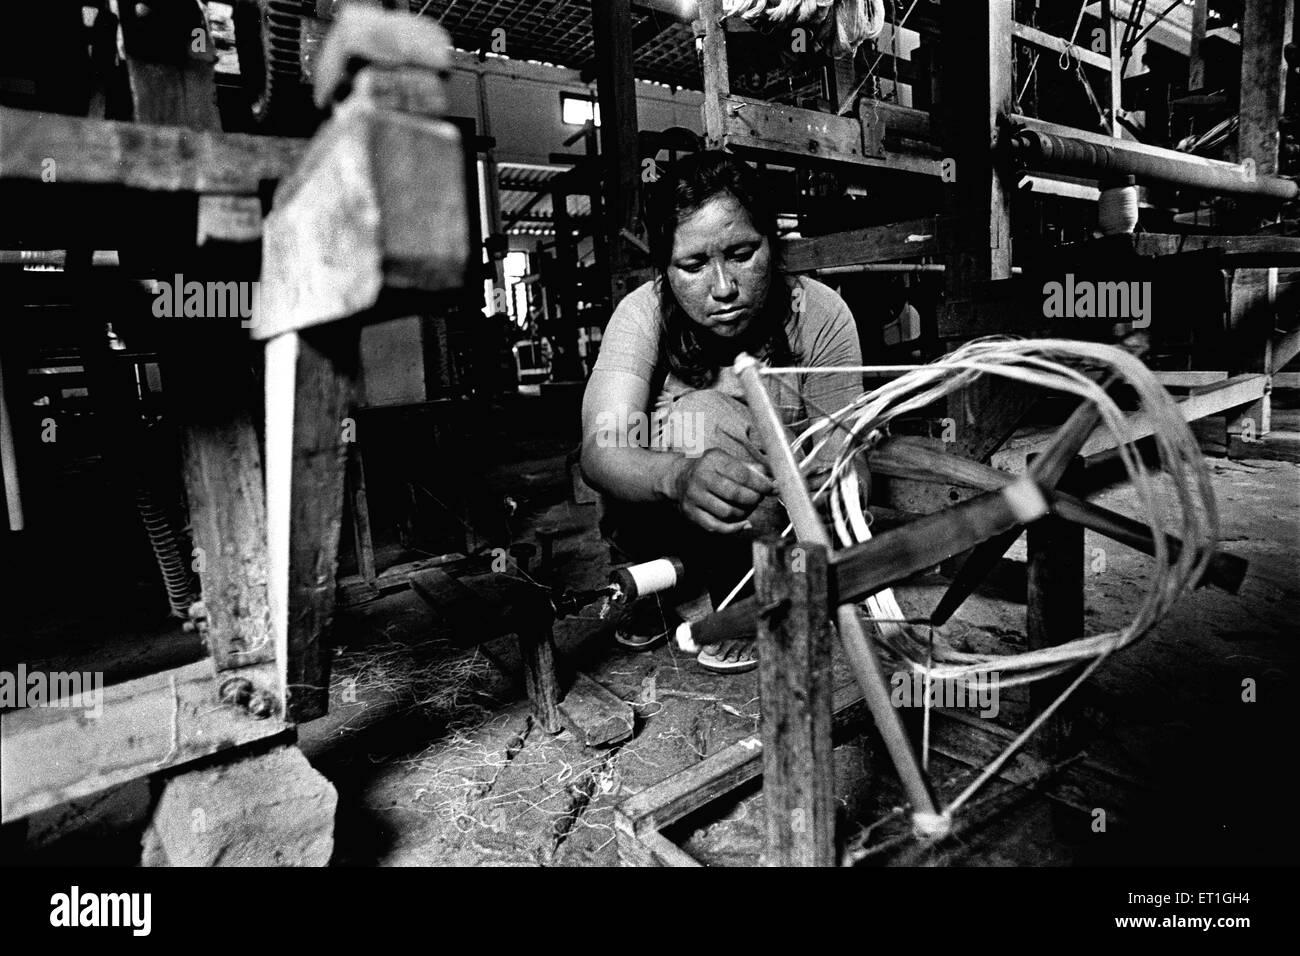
(695, 179)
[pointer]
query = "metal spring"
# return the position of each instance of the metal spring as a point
(162, 537)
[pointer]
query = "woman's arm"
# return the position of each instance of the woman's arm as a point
(612, 462)
(714, 490)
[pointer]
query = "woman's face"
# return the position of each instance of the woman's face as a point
(721, 267)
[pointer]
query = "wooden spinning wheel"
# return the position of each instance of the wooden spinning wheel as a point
(986, 525)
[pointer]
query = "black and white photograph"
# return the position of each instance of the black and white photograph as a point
(733, 434)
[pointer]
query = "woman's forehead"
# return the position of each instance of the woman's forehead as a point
(721, 221)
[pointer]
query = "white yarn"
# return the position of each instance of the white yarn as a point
(1117, 210)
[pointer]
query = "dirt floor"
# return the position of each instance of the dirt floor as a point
(437, 761)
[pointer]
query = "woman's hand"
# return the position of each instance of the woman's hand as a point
(718, 491)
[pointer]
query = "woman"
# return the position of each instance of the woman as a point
(667, 436)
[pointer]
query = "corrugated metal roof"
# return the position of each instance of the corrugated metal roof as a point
(559, 32)
(517, 187)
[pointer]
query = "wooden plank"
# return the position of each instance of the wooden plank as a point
(154, 158)
(598, 716)
(794, 654)
(1059, 45)
(50, 755)
(900, 240)
(780, 132)
(664, 803)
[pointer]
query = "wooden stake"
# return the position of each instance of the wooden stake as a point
(794, 654)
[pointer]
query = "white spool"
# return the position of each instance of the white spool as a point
(653, 576)
(1117, 210)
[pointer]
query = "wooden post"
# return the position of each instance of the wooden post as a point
(537, 646)
(717, 82)
(310, 387)
(612, 26)
(794, 654)
(1055, 613)
(362, 541)
(1196, 62)
(374, 217)
(1114, 37)
(975, 77)
(1266, 27)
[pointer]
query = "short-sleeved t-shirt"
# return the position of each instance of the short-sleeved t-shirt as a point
(821, 333)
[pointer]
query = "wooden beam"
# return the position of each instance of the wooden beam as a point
(794, 654)
(50, 755)
(1059, 45)
(793, 135)
(77, 151)
(899, 240)
(1237, 250)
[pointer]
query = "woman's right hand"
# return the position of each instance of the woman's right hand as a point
(718, 491)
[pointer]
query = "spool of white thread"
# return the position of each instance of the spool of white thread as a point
(639, 580)
(1117, 210)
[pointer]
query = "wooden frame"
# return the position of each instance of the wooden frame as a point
(270, 550)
